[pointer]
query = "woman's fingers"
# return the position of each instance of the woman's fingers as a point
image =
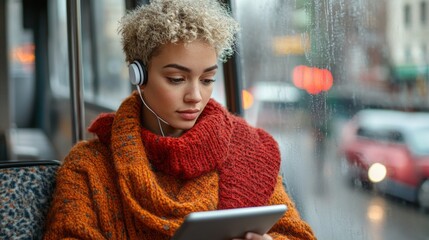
(254, 236)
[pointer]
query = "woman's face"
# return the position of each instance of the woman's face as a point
(180, 83)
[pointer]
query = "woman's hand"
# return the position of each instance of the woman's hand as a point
(254, 236)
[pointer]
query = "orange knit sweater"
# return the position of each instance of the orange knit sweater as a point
(112, 188)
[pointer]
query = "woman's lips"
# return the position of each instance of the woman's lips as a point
(188, 115)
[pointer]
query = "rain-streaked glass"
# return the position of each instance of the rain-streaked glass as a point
(308, 67)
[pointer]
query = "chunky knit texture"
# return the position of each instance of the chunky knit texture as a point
(133, 184)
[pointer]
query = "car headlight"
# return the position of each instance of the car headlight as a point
(377, 172)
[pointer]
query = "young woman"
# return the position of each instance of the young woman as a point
(169, 149)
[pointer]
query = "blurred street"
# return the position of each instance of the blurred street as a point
(335, 209)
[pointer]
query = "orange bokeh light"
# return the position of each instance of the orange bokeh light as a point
(24, 54)
(313, 80)
(247, 99)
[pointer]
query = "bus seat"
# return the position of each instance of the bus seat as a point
(25, 195)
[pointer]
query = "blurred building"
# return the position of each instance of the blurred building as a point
(407, 35)
(386, 53)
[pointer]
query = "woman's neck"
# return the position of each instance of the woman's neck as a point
(151, 123)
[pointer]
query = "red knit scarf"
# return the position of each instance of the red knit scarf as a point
(246, 158)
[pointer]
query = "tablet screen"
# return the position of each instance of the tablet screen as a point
(230, 223)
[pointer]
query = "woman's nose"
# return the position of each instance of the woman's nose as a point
(193, 93)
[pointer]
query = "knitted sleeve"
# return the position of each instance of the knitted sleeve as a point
(80, 196)
(290, 226)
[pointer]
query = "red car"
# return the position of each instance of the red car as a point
(390, 151)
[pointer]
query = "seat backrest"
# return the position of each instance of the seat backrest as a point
(25, 194)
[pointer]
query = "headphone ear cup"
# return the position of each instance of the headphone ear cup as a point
(137, 72)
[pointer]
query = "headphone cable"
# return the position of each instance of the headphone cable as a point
(156, 115)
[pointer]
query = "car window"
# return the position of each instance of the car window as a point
(367, 133)
(419, 143)
(395, 137)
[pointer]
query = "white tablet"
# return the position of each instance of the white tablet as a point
(230, 223)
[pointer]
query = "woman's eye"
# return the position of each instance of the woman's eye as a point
(176, 80)
(208, 81)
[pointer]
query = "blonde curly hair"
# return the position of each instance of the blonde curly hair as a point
(148, 27)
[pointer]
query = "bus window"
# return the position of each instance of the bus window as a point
(308, 66)
(105, 73)
(21, 65)
(58, 54)
(109, 69)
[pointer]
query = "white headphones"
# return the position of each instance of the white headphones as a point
(138, 73)
(138, 77)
